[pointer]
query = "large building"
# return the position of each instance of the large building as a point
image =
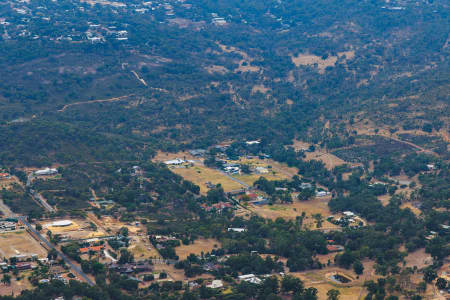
(62, 223)
(46, 171)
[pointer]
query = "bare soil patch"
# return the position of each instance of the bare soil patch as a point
(216, 69)
(418, 258)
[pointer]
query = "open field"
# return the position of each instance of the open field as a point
(112, 226)
(328, 159)
(20, 243)
(291, 211)
(307, 59)
(418, 258)
(141, 248)
(251, 178)
(199, 246)
(200, 175)
(277, 171)
(163, 156)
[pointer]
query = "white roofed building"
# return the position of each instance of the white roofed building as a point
(46, 171)
(174, 162)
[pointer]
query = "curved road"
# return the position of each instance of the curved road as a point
(60, 254)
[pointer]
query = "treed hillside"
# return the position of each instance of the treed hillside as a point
(276, 70)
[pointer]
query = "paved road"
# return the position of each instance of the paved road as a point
(234, 179)
(42, 200)
(60, 254)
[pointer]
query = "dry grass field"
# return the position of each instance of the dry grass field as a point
(199, 246)
(141, 248)
(291, 211)
(200, 175)
(328, 159)
(418, 258)
(163, 156)
(311, 60)
(20, 243)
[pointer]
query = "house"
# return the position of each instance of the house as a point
(261, 170)
(7, 226)
(210, 185)
(322, 193)
(237, 229)
(349, 214)
(232, 170)
(197, 152)
(260, 201)
(4, 176)
(215, 284)
(22, 266)
(219, 21)
(217, 207)
(24, 257)
(95, 249)
(305, 185)
(335, 248)
(253, 142)
(431, 167)
(174, 162)
(252, 196)
(250, 278)
(130, 268)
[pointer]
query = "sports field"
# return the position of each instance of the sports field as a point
(20, 243)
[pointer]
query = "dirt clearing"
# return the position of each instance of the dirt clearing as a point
(199, 246)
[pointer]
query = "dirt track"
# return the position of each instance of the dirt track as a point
(95, 101)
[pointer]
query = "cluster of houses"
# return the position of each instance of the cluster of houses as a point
(216, 207)
(256, 199)
(130, 268)
(19, 266)
(332, 247)
(348, 219)
(10, 225)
